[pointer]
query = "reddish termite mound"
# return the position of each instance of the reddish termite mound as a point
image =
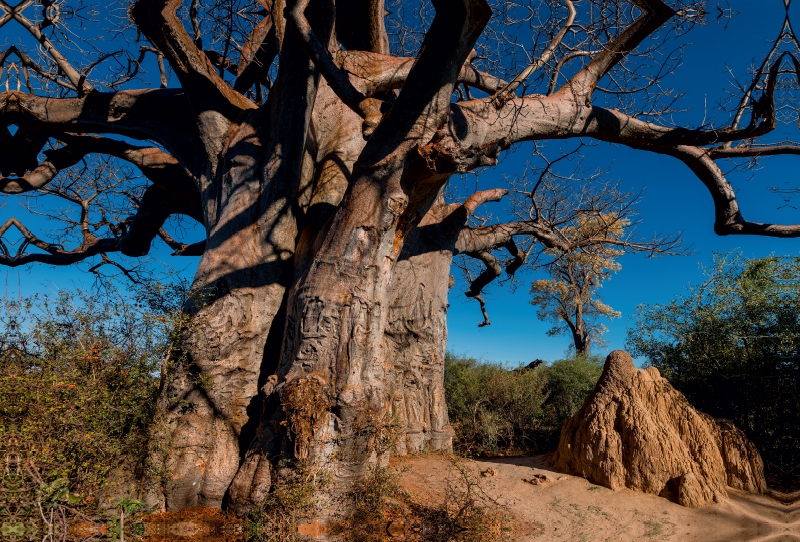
(636, 431)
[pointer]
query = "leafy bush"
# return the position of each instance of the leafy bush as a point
(569, 382)
(492, 408)
(731, 346)
(78, 380)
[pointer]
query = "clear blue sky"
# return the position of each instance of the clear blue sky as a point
(674, 200)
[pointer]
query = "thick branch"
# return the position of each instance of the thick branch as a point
(372, 73)
(162, 115)
(137, 234)
(360, 25)
(474, 240)
(491, 272)
(485, 196)
(753, 152)
(159, 167)
(257, 54)
(157, 20)
(156, 206)
(423, 106)
(458, 214)
(728, 217)
(654, 14)
(54, 254)
(336, 78)
(162, 169)
(478, 132)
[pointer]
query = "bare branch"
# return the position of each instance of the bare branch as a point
(159, 167)
(135, 234)
(561, 63)
(77, 79)
(654, 14)
(503, 96)
(54, 254)
(752, 151)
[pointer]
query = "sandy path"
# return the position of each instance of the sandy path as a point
(570, 508)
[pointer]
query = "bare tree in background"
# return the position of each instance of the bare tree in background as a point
(313, 145)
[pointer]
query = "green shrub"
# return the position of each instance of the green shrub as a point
(731, 345)
(493, 409)
(79, 375)
(569, 382)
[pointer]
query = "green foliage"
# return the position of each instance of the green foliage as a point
(79, 374)
(130, 507)
(569, 382)
(731, 346)
(57, 491)
(492, 408)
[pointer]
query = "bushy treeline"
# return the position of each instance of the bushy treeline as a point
(79, 373)
(732, 346)
(494, 409)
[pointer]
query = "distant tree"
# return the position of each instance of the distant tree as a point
(731, 346)
(570, 297)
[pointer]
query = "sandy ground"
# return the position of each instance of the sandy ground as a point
(570, 508)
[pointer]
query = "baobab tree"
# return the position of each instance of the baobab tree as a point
(313, 144)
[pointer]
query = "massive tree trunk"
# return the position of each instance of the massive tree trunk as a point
(415, 339)
(316, 326)
(209, 393)
(393, 405)
(231, 341)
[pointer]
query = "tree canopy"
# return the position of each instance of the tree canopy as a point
(731, 346)
(570, 298)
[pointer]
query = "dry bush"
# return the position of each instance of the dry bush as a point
(78, 379)
(295, 498)
(381, 509)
